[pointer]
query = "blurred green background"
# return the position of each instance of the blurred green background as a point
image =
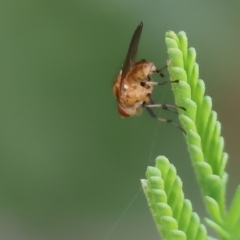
(69, 165)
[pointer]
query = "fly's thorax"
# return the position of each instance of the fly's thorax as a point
(131, 99)
(134, 93)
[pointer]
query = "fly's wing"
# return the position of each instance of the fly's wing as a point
(131, 54)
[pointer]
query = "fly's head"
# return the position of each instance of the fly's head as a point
(149, 68)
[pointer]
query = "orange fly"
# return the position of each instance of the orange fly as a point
(133, 86)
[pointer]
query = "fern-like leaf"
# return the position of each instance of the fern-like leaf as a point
(204, 140)
(172, 213)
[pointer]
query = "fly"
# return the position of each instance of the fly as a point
(133, 86)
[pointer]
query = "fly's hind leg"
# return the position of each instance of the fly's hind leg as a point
(165, 107)
(150, 99)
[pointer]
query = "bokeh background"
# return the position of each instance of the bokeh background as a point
(70, 167)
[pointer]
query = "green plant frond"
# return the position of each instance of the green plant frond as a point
(224, 234)
(172, 213)
(203, 136)
(233, 219)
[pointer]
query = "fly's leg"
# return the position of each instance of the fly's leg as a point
(165, 107)
(150, 99)
(151, 82)
(159, 83)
